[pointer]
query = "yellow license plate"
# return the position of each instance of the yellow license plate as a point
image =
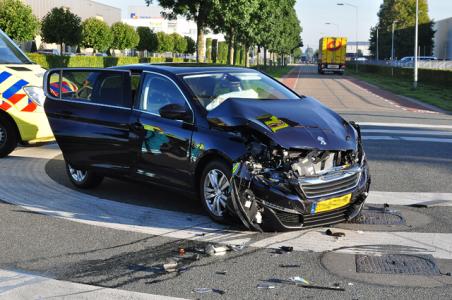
(333, 203)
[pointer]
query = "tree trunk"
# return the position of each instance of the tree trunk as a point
(230, 48)
(200, 47)
(247, 61)
(61, 49)
(265, 57)
(258, 55)
(235, 50)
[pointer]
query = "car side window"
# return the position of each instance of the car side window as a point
(159, 91)
(98, 87)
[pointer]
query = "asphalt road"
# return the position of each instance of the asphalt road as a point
(108, 243)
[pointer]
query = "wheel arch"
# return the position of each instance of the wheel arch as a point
(204, 160)
(9, 118)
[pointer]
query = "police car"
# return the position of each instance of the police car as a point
(22, 117)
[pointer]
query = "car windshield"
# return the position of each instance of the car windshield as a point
(212, 89)
(9, 53)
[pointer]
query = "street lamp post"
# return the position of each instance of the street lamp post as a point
(392, 43)
(337, 26)
(415, 45)
(356, 32)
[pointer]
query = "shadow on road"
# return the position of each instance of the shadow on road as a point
(130, 192)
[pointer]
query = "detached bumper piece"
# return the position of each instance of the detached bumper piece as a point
(265, 205)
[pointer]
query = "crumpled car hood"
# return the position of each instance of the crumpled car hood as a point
(292, 124)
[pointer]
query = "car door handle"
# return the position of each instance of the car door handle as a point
(137, 127)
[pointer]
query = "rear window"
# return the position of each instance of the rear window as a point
(99, 87)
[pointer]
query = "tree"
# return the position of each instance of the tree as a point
(214, 50)
(233, 17)
(60, 26)
(191, 45)
(165, 42)
(96, 34)
(199, 11)
(180, 43)
(124, 36)
(147, 39)
(17, 20)
(402, 13)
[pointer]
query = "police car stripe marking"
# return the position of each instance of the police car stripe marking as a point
(4, 76)
(30, 107)
(14, 88)
(14, 99)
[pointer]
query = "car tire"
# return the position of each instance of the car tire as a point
(83, 179)
(9, 137)
(216, 196)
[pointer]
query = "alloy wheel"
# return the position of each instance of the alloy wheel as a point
(216, 191)
(3, 136)
(77, 175)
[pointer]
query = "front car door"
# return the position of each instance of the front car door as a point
(89, 111)
(163, 148)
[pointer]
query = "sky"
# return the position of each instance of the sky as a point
(313, 15)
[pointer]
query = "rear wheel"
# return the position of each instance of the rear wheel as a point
(215, 190)
(83, 178)
(8, 137)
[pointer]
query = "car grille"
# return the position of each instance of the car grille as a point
(289, 219)
(330, 217)
(317, 189)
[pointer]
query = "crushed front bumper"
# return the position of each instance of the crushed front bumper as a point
(281, 208)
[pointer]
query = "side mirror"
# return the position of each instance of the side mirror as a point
(175, 112)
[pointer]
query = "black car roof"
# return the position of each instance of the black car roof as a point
(181, 69)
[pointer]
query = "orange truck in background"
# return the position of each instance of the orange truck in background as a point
(332, 52)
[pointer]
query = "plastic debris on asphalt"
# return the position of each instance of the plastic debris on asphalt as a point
(266, 286)
(337, 234)
(208, 290)
(299, 279)
(289, 266)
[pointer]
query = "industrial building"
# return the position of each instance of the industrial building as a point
(442, 47)
(83, 8)
(150, 16)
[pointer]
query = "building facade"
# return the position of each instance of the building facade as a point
(150, 16)
(442, 47)
(363, 46)
(83, 8)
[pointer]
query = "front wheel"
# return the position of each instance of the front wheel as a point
(8, 137)
(215, 190)
(83, 178)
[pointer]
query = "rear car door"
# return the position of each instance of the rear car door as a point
(89, 111)
(163, 148)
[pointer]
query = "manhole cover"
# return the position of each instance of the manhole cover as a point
(404, 264)
(379, 217)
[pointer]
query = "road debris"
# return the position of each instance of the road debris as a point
(221, 272)
(289, 266)
(299, 279)
(307, 286)
(286, 248)
(208, 290)
(335, 234)
(266, 286)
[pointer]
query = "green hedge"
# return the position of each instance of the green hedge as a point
(429, 76)
(55, 61)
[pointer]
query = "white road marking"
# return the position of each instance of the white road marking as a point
(424, 139)
(19, 285)
(412, 132)
(369, 242)
(379, 137)
(407, 198)
(403, 125)
(405, 138)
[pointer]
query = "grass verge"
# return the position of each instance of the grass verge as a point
(440, 96)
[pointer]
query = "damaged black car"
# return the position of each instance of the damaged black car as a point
(252, 149)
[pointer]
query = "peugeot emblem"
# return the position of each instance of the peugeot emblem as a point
(321, 140)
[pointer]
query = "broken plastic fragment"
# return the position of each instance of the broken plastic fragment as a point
(202, 290)
(335, 234)
(299, 279)
(236, 248)
(170, 266)
(290, 266)
(221, 272)
(286, 248)
(266, 286)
